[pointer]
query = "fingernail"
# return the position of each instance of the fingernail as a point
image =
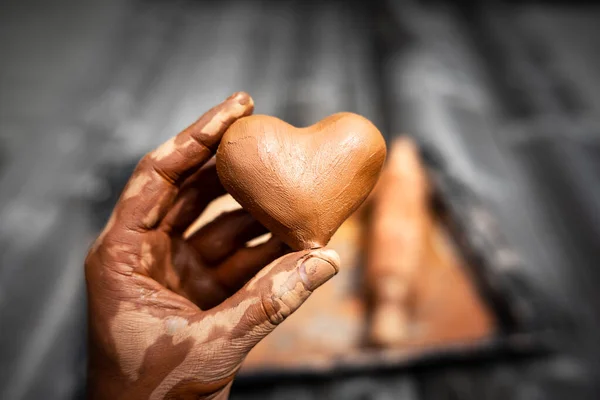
(320, 266)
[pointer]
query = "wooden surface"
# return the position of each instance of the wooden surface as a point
(508, 96)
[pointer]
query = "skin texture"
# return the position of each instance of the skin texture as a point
(172, 316)
(398, 232)
(301, 183)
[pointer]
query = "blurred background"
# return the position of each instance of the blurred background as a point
(502, 97)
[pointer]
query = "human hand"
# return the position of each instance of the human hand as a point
(173, 316)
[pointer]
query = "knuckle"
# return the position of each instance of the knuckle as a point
(273, 310)
(160, 169)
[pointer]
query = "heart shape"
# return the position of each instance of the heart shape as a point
(301, 183)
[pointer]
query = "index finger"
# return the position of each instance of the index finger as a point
(156, 180)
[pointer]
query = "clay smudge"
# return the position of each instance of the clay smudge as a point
(165, 150)
(133, 332)
(153, 216)
(147, 257)
(136, 185)
(223, 320)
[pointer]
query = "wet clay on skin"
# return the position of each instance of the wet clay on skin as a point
(172, 316)
(301, 183)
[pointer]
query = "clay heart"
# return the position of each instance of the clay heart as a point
(301, 183)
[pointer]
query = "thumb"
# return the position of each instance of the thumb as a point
(272, 295)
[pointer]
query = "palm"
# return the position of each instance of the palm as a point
(211, 264)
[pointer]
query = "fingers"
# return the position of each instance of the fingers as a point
(271, 296)
(196, 193)
(155, 182)
(247, 261)
(179, 157)
(207, 287)
(201, 287)
(225, 234)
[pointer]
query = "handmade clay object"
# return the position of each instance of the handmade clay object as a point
(301, 183)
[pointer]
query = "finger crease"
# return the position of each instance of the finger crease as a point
(203, 145)
(271, 319)
(164, 175)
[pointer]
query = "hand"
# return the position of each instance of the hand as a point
(174, 317)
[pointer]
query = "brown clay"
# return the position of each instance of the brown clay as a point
(301, 183)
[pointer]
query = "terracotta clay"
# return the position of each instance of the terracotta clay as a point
(301, 183)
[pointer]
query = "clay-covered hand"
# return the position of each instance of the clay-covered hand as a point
(173, 316)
